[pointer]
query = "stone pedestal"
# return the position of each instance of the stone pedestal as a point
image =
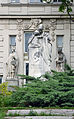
(12, 82)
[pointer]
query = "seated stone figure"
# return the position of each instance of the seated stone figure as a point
(12, 65)
(60, 61)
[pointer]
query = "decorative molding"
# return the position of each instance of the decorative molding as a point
(32, 25)
(53, 27)
(19, 27)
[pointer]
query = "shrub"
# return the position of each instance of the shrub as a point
(57, 91)
(4, 94)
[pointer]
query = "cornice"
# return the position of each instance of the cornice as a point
(57, 16)
(31, 4)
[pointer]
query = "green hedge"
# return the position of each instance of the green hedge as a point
(57, 91)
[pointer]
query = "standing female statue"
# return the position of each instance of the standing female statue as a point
(39, 49)
(12, 65)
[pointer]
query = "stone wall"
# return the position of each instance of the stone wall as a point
(15, 20)
(72, 45)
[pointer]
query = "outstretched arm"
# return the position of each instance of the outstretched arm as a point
(31, 39)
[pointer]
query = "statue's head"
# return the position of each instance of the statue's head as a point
(59, 50)
(13, 50)
(36, 32)
(40, 27)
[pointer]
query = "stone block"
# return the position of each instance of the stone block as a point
(72, 48)
(23, 1)
(72, 26)
(35, 9)
(72, 54)
(60, 27)
(1, 27)
(72, 59)
(72, 65)
(48, 9)
(65, 112)
(1, 54)
(1, 48)
(12, 27)
(55, 9)
(1, 70)
(12, 83)
(72, 32)
(72, 43)
(14, 9)
(72, 37)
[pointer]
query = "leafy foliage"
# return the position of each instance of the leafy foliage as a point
(4, 94)
(57, 91)
(68, 70)
(26, 77)
(65, 6)
(2, 113)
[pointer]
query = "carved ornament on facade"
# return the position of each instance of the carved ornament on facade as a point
(51, 26)
(19, 27)
(32, 25)
(47, 27)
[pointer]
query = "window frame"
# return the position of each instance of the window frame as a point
(57, 42)
(15, 1)
(27, 72)
(25, 51)
(1, 76)
(57, 2)
(10, 46)
(35, 1)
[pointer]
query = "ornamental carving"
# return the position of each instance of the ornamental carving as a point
(19, 27)
(19, 24)
(33, 24)
(51, 26)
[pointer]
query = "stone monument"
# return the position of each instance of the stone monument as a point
(12, 69)
(39, 52)
(12, 65)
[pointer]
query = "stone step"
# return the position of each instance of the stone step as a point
(59, 112)
(41, 117)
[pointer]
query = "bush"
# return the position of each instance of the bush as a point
(4, 94)
(57, 91)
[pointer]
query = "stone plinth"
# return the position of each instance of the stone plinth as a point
(12, 82)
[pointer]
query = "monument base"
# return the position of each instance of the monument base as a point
(12, 83)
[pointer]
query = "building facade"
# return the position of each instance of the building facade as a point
(20, 18)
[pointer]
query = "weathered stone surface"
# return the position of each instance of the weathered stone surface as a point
(40, 117)
(67, 112)
(25, 12)
(12, 83)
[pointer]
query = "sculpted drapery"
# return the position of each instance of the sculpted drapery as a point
(39, 49)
